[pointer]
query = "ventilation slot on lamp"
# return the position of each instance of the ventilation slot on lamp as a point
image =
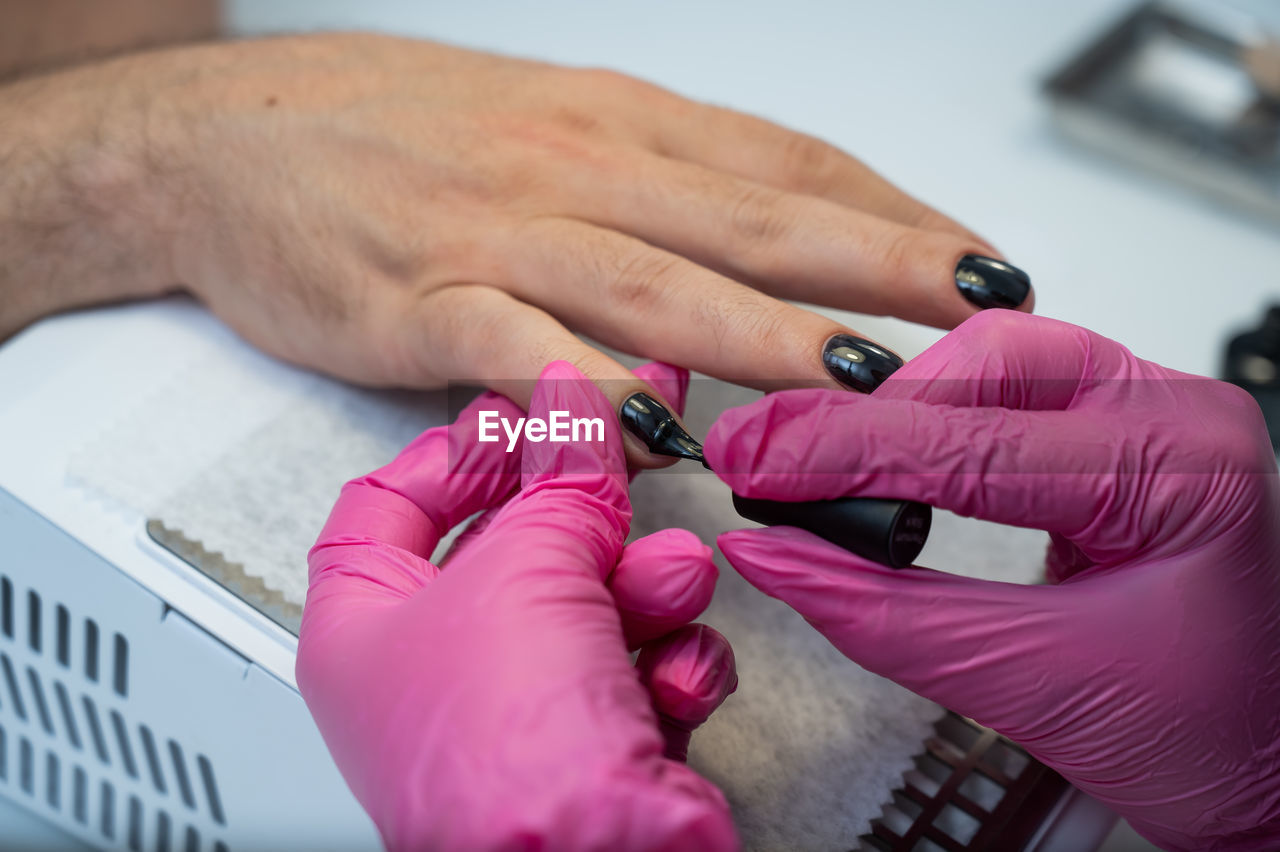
(6, 607)
(11, 681)
(127, 789)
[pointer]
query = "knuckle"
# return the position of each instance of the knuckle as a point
(927, 219)
(614, 83)
(521, 145)
(547, 141)
(641, 279)
(757, 215)
(588, 360)
(896, 249)
(411, 335)
(576, 120)
(447, 318)
(541, 349)
(548, 346)
(808, 160)
(747, 323)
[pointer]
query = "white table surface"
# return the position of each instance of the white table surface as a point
(940, 97)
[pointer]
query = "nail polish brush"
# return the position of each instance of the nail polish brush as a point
(651, 422)
(890, 532)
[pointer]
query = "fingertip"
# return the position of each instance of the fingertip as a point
(749, 552)
(562, 386)
(662, 581)
(675, 541)
(576, 389)
(762, 449)
(560, 371)
(794, 565)
(752, 543)
(714, 444)
(737, 437)
(486, 401)
(662, 566)
(689, 673)
(571, 430)
(735, 542)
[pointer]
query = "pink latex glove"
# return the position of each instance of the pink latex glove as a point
(1149, 674)
(492, 704)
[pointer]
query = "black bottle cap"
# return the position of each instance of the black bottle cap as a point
(891, 532)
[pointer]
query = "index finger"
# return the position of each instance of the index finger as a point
(1049, 470)
(1007, 359)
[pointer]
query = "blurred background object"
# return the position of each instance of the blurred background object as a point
(1253, 362)
(1188, 93)
(1262, 60)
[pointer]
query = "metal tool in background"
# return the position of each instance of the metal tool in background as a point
(972, 790)
(1189, 93)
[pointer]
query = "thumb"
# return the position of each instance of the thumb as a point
(975, 646)
(573, 505)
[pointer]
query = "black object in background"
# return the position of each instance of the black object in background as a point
(1253, 362)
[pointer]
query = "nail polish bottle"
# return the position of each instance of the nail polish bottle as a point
(1253, 362)
(891, 532)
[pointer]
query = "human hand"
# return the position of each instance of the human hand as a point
(491, 702)
(398, 212)
(1148, 673)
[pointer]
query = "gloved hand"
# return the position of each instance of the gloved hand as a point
(1148, 674)
(491, 703)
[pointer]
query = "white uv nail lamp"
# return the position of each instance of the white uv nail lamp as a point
(142, 704)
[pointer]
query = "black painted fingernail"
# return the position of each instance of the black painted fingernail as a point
(857, 363)
(658, 429)
(991, 283)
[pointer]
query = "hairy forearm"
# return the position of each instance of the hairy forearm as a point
(44, 34)
(78, 224)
